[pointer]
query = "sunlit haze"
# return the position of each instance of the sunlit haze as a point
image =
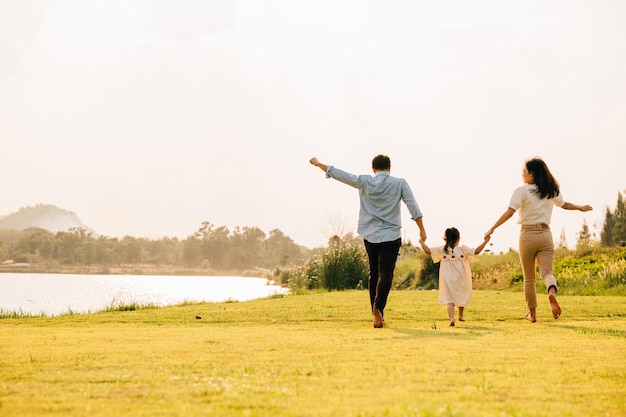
(147, 118)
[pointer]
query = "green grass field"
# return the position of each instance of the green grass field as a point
(317, 354)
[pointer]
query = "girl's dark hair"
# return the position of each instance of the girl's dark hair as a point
(381, 163)
(547, 185)
(452, 235)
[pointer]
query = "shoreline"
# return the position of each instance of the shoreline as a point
(131, 269)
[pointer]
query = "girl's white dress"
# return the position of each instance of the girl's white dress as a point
(455, 276)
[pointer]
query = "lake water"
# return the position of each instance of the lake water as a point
(54, 294)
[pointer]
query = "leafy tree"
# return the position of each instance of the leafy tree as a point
(279, 248)
(68, 245)
(34, 244)
(620, 221)
(131, 250)
(210, 246)
(562, 239)
(584, 237)
(606, 236)
(217, 248)
(105, 250)
(4, 252)
(192, 252)
(614, 229)
(247, 247)
(163, 251)
(89, 252)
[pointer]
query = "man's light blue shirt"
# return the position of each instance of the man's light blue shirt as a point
(380, 195)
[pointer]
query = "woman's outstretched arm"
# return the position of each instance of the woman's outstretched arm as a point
(505, 216)
(569, 206)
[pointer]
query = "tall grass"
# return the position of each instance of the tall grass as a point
(343, 266)
(598, 275)
(588, 270)
(16, 314)
(585, 271)
(405, 274)
(496, 272)
(340, 266)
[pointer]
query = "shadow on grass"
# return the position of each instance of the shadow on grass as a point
(596, 330)
(455, 333)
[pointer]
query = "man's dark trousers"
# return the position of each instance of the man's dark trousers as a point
(382, 261)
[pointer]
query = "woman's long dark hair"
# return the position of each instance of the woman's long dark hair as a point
(547, 185)
(452, 235)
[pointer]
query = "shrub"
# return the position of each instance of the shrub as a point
(429, 276)
(586, 271)
(407, 270)
(496, 272)
(343, 266)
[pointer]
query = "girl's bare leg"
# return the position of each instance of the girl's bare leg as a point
(451, 313)
(461, 318)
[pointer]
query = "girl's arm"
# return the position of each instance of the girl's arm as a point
(482, 245)
(570, 206)
(505, 216)
(424, 247)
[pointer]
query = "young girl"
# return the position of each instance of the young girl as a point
(455, 276)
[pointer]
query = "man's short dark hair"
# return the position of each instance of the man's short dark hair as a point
(381, 163)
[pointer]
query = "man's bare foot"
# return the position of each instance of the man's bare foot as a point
(461, 319)
(556, 309)
(530, 317)
(378, 319)
(451, 323)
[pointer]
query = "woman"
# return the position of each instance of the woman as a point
(535, 200)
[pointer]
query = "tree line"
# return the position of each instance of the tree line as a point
(211, 247)
(614, 228)
(220, 249)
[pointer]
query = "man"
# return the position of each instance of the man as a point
(379, 223)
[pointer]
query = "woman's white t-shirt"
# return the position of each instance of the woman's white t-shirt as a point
(532, 208)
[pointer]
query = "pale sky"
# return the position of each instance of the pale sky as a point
(147, 118)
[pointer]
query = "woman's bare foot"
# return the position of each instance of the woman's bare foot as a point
(556, 309)
(451, 323)
(461, 319)
(529, 316)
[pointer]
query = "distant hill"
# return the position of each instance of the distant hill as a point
(45, 216)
